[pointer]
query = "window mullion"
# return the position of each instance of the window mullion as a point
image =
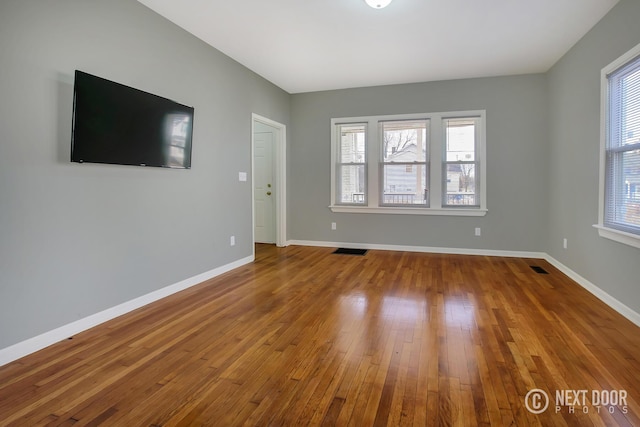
(436, 157)
(481, 161)
(624, 148)
(373, 162)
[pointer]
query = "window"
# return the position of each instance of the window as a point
(619, 217)
(425, 164)
(460, 162)
(351, 166)
(404, 145)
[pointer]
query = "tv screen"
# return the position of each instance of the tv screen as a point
(117, 124)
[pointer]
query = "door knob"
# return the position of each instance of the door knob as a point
(268, 193)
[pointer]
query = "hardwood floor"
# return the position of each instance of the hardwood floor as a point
(305, 337)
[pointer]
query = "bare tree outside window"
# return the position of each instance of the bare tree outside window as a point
(405, 162)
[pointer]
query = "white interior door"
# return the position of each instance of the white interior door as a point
(264, 191)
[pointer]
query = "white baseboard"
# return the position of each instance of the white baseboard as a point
(618, 306)
(423, 249)
(21, 349)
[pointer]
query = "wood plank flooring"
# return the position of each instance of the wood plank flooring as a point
(306, 337)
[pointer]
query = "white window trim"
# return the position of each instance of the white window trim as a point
(604, 231)
(435, 169)
(618, 236)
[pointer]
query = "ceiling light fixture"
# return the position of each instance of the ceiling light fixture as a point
(378, 4)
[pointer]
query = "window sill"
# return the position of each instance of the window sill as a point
(394, 210)
(618, 236)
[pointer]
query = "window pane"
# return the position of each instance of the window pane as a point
(624, 190)
(352, 143)
(460, 186)
(460, 140)
(625, 107)
(404, 141)
(351, 184)
(405, 184)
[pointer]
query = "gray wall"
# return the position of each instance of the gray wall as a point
(517, 163)
(574, 93)
(77, 239)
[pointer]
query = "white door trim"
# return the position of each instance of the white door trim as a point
(280, 176)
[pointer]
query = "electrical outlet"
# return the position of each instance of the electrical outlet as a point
(334, 226)
(478, 231)
(232, 240)
(565, 243)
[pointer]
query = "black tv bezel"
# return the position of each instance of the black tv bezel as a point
(189, 137)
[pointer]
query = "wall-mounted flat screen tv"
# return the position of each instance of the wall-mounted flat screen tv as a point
(117, 124)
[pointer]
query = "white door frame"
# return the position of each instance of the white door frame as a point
(280, 177)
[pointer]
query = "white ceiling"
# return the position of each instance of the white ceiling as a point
(311, 45)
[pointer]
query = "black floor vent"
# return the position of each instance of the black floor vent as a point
(348, 251)
(539, 270)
